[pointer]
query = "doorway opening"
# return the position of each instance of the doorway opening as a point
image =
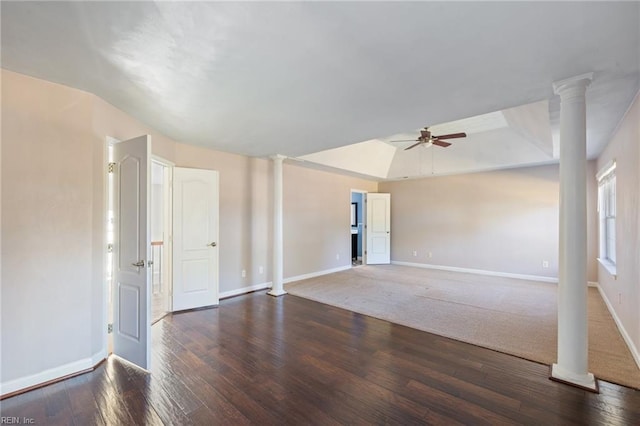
(160, 225)
(357, 227)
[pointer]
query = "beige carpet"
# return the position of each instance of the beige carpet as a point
(514, 316)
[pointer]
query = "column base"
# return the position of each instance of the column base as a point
(276, 293)
(583, 381)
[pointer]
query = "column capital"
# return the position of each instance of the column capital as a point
(278, 157)
(580, 82)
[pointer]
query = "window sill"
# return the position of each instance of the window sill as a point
(609, 266)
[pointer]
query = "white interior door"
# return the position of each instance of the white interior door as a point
(378, 229)
(131, 302)
(195, 238)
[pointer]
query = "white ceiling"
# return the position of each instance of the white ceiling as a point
(297, 78)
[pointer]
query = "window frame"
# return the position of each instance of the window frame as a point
(607, 201)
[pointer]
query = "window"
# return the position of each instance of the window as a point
(607, 215)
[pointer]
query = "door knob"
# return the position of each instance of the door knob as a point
(212, 244)
(139, 264)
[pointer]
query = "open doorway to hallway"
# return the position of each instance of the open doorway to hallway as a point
(160, 216)
(357, 227)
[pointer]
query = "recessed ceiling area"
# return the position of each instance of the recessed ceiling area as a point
(515, 137)
(302, 78)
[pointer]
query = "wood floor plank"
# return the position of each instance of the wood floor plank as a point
(58, 405)
(30, 405)
(108, 397)
(289, 361)
(457, 408)
(83, 403)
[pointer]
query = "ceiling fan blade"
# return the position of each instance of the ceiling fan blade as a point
(414, 145)
(406, 140)
(440, 143)
(451, 136)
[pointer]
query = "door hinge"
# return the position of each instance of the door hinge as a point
(109, 248)
(109, 328)
(111, 167)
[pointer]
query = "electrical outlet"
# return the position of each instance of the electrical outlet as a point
(244, 273)
(415, 253)
(545, 263)
(261, 270)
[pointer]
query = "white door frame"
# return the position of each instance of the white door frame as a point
(364, 221)
(168, 214)
(109, 141)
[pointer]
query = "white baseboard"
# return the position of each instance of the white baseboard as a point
(243, 290)
(316, 274)
(479, 271)
(623, 332)
(99, 357)
(263, 286)
(50, 374)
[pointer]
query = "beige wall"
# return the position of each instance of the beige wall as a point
(47, 223)
(502, 221)
(53, 220)
(317, 219)
(624, 292)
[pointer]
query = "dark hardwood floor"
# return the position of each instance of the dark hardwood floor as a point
(263, 360)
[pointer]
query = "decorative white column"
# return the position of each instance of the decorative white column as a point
(277, 288)
(572, 365)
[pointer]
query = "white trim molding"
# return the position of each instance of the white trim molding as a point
(478, 271)
(243, 290)
(587, 380)
(610, 267)
(269, 284)
(606, 170)
(316, 274)
(51, 374)
(623, 332)
(562, 86)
